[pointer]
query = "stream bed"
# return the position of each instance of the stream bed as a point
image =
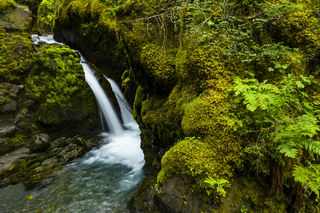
(104, 180)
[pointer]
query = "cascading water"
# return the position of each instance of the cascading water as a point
(126, 112)
(104, 104)
(104, 179)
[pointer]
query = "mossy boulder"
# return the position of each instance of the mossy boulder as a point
(65, 99)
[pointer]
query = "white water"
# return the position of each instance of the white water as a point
(103, 101)
(104, 179)
(126, 111)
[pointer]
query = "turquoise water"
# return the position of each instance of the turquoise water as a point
(104, 180)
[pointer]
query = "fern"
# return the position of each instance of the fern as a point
(257, 95)
(308, 177)
(273, 107)
(297, 134)
(218, 185)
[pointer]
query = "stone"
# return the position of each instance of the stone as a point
(7, 131)
(8, 159)
(177, 196)
(9, 106)
(40, 142)
(14, 90)
(16, 20)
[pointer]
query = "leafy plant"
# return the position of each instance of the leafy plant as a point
(309, 177)
(272, 111)
(218, 185)
(297, 133)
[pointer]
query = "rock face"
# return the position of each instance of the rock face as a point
(9, 94)
(7, 131)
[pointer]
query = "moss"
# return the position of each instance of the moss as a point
(302, 28)
(137, 105)
(65, 96)
(46, 15)
(34, 168)
(6, 5)
(184, 92)
(207, 115)
(199, 159)
(9, 144)
(16, 56)
(159, 64)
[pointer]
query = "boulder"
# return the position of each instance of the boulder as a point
(40, 142)
(17, 19)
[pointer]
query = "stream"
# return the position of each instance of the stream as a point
(103, 180)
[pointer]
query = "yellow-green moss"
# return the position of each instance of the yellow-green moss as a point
(65, 90)
(159, 63)
(6, 5)
(199, 159)
(16, 55)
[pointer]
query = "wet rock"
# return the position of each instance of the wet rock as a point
(5, 145)
(11, 90)
(50, 162)
(40, 142)
(17, 19)
(71, 152)
(175, 195)
(9, 106)
(7, 159)
(8, 94)
(14, 90)
(7, 131)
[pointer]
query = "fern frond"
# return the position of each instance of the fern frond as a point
(308, 176)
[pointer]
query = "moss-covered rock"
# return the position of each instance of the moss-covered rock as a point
(16, 56)
(34, 168)
(65, 98)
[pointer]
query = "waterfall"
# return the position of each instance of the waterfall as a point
(105, 106)
(125, 109)
(103, 101)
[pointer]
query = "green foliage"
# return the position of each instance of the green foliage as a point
(48, 3)
(46, 15)
(218, 185)
(298, 133)
(309, 177)
(273, 109)
(204, 45)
